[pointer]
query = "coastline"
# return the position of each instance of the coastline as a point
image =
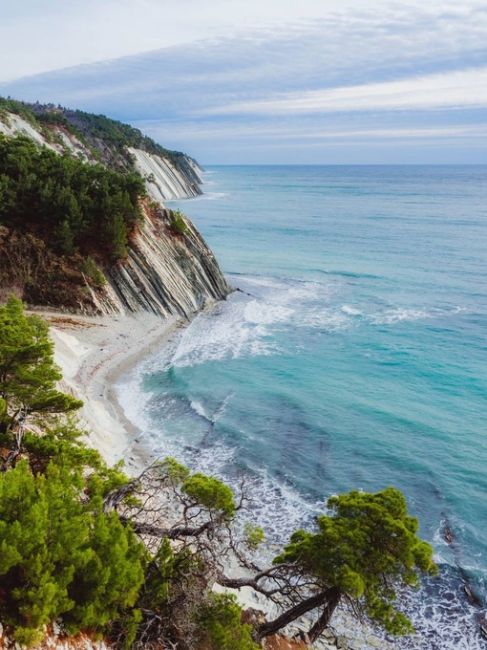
(92, 353)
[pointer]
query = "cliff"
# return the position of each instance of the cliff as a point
(166, 272)
(167, 269)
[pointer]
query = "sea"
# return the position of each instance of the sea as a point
(352, 354)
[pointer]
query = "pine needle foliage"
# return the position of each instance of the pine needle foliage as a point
(28, 375)
(61, 555)
(72, 205)
(365, 550)
(220, 622)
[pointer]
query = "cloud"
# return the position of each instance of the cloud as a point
(62, 33)
(264, 133)
(462, 88)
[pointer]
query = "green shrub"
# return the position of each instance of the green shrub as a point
(178, 223)
(220, 620)
(61, 555)
(211, 493)
(28, 375)
(93, 272)
(254, 536)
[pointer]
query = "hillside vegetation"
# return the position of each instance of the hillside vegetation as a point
(72, 205)
(107, 139)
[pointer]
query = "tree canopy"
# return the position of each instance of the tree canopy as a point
(72, 205)
(363, 552)
(28, 375)
(61, 555)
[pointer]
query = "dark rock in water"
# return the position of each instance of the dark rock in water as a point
(448, 535)
(473, 597)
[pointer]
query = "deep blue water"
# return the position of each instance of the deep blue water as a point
(354, 356)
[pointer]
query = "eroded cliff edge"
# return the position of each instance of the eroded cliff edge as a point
(168, 269)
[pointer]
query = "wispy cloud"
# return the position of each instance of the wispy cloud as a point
(313, 131)
(458, 89)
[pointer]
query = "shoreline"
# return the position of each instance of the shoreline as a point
(93, 352)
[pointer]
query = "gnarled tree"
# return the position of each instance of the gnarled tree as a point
(360, 555)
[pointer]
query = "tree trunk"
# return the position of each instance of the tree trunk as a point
(324, 620)
(142, 528)
(272, 627)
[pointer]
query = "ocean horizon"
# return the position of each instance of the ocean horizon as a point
(351, 355)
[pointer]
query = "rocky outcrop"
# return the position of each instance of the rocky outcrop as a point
(166, 272)
(164, 180)
(55, 137)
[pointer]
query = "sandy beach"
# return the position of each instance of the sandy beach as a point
(92, 353)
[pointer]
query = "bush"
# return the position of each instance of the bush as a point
(178, 223)
(220, 620)
(93, 272)
(61, 555)
(211, 493)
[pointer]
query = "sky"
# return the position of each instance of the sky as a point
(264, 81)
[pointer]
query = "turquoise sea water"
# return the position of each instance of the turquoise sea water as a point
(354, 356)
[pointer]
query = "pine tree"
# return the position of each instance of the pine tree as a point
(61, 555)
(28, 375)
(362, 552)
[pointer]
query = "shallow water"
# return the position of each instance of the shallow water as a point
(354, 356)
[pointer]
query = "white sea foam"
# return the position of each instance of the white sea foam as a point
(444, 619)
(246, 323)
(210, 196)
(199, 409)
(214, 196)
(212, 418)
(399, 314)
(329, 320)
(133, 398)
(351, 311)
(299, 304)
(262, 313)
(220, 410)
(392, 316)
(229, 337)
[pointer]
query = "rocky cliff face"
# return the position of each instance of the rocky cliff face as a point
(57, 139)
(167, 271)
(163, 179)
